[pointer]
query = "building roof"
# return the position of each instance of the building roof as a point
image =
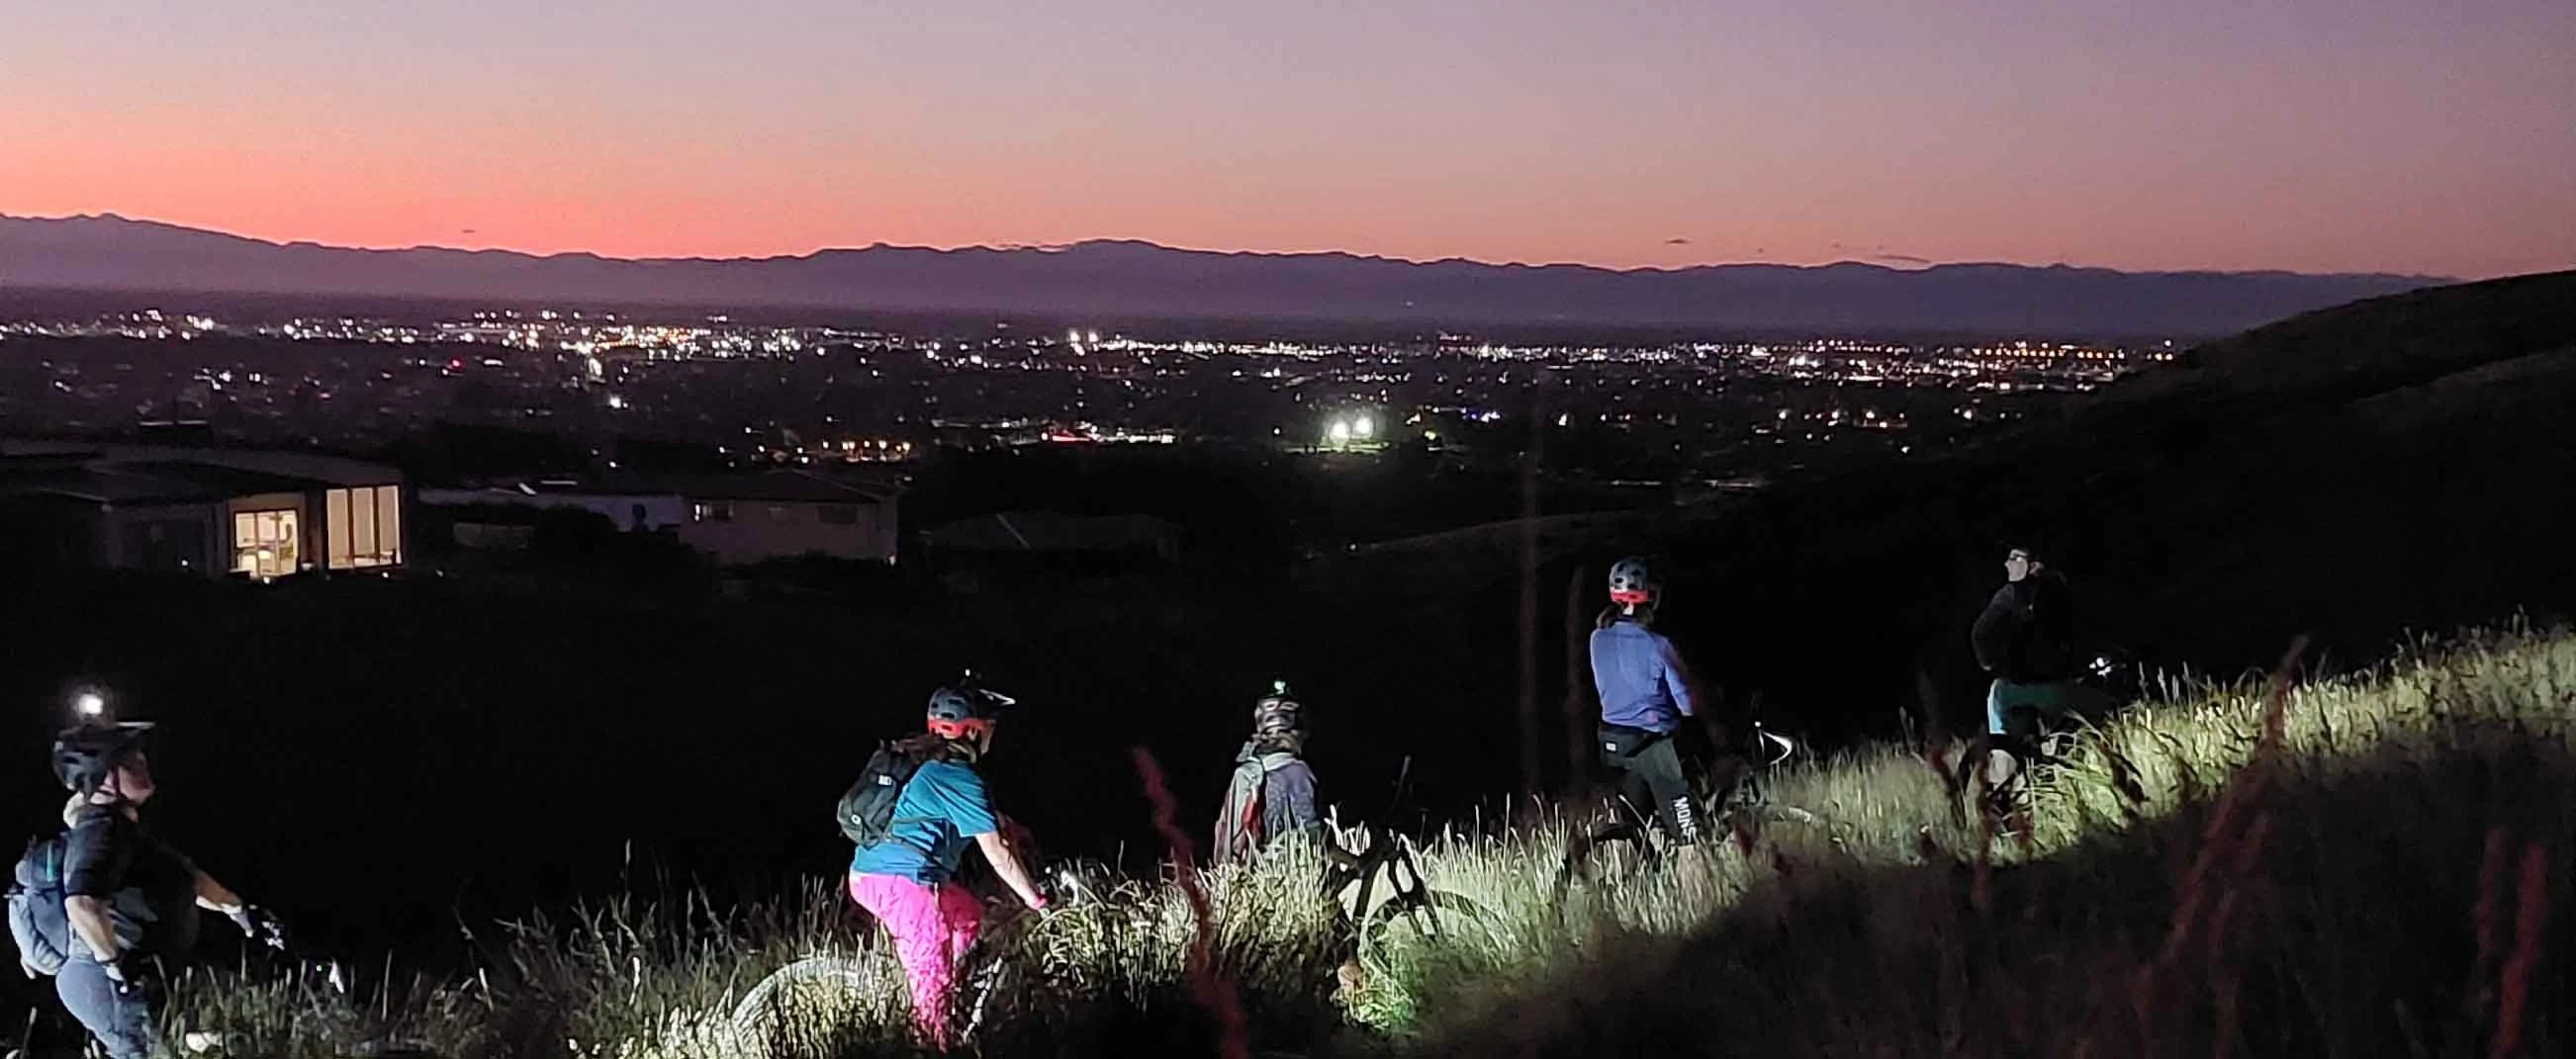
(1050, 531)
(785, 486)
(315, 468)
(142, 482)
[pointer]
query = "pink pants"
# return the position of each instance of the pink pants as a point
(932, 927)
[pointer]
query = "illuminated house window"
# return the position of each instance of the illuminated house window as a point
(264, 543)
(365, 526)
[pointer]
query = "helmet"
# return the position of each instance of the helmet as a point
(964, 708)
(85, 754)
(1631, 582)
(1277, 714)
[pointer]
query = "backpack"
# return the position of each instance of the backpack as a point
(1242, 826)
(37, 921)
(866, 811)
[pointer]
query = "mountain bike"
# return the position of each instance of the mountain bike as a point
(2035, 743)
(1412, 910)
(784, 1003)
(820, 988)
(1735, 798)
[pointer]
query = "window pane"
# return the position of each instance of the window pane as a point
(362, 525)
(245, 543)
(336, 523)
(282, 541)
(389, 522)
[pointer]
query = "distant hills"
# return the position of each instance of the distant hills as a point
(1136, 280)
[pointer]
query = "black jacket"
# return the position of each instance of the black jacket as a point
(150, 888)
(2029, 632)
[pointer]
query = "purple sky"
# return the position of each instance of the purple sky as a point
(2350, 135)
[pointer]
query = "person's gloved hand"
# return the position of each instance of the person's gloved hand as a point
(127, 982)
(258, 925)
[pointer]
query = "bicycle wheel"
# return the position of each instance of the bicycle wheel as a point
(800, 1001)
(1437, 917)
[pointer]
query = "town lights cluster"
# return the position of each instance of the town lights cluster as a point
(1346, 430)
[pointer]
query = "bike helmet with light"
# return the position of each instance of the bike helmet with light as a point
(964, 709)
(1631, 582)
(85, 754)
(1277, 714)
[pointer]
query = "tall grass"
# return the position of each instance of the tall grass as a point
(2371, 865)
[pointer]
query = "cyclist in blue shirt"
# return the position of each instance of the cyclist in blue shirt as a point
(908, 880)
(1645, 692)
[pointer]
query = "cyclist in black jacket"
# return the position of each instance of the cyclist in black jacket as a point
(2029, 638)
(132, 899)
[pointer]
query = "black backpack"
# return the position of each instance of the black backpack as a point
(37, 921)
(866, 811)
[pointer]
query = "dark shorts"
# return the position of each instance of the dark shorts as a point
(1650, 777)
(2020, 710)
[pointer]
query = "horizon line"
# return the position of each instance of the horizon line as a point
(1890, 263)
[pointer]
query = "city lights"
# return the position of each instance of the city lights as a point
(712, 380)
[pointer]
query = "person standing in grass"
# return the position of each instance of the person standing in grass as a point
(129, 900)
(1645, 693)
(2026, 640)
(906, 876)
(1272, 794)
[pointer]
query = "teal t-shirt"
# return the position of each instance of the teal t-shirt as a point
(937, 814)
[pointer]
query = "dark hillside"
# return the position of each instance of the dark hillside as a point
(2397, 464)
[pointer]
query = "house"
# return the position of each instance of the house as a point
(257, 513)
(735, 519)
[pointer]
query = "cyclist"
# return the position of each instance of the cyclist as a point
(1645, 692)
(2025, 639)
(907, 879)
(1272, 794)
(130, 899)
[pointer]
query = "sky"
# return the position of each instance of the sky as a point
(2313, 135)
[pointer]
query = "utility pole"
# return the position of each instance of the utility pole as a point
(1530, 783)
(1579, 713)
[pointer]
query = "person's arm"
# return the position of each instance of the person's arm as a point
(960, 795)
(1677, 679)
(89, 919)
(1006, 863)
(1595, 652)
(93, 868)
(1993, 628)
(215, 897)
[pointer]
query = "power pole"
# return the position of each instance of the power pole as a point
(1530, 782)
(1579, 713)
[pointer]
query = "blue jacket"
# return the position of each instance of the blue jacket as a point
(939, 812)
(1639, 678)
